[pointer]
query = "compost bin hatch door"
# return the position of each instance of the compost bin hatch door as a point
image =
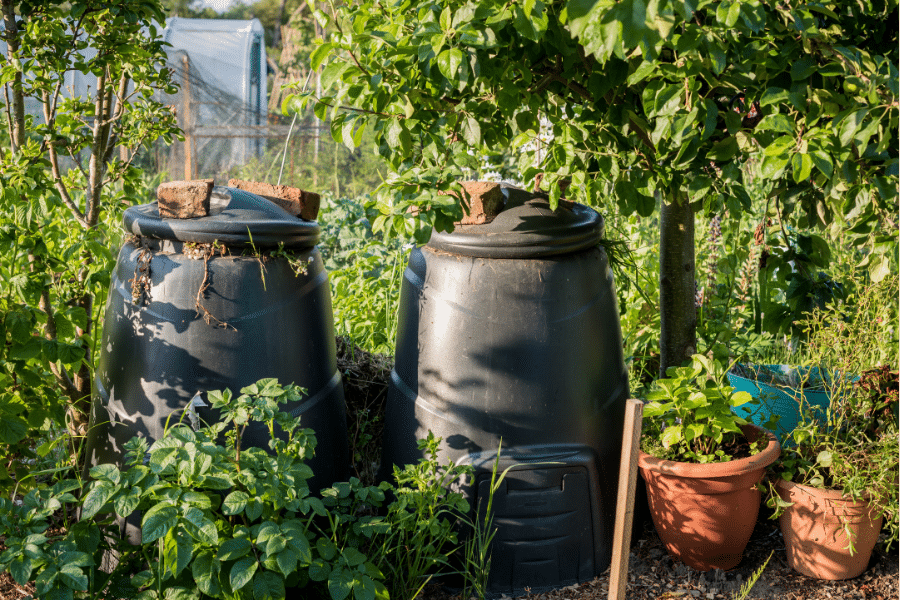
(236, 218)
(525, 228)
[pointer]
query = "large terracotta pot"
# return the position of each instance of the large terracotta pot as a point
(705, 514)
(815, 535)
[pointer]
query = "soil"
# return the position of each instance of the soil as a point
(652, 573)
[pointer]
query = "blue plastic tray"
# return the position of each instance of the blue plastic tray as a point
(777, 399)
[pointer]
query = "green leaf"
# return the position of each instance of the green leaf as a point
(327, 549)
(802, 68)
(672, 435)
(268, 586)
(353, 556)
(235, 503)
(205, 570)
(779, 147)
(710, 119)
(734, 13)
(254, 509)
(234, 548)
(201, 527)
(157, 524)
(340, 583)
(879, 268)
(723, 150)
(242, 572)
(448, 62)
(802, 165)
(13, 429)
(642, 72)
(20, 568)
(533, 25)
(740, 399)
(778, 123)
(287, 561)
(125, 504)
(96, 498)
(824, 458)
(471, 131)
(73, 577)
(319, 570)
(177, 550)
(333, 72)
(318, 56)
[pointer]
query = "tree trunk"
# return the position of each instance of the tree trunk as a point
(678, 313)
(16, 112)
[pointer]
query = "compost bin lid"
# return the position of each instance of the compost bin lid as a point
(236, 218)
(526, 228)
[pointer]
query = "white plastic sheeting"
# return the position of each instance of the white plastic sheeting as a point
(220, 68)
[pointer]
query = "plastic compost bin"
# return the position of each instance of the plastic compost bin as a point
(510, 331)
(158, 352)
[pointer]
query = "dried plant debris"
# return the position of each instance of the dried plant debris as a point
(205, 252)
(365, 377)
(141, 283)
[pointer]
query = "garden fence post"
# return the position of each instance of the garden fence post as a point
(628, 469)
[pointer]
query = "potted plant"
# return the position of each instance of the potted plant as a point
(701, 464)
(837, 479)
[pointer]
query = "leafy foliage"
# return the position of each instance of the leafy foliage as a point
(691, 417)
(853, 446)
(365, 270)
(642, 97)
(67, 164)
(232, 522)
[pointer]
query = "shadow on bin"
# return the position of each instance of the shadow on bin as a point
(169, 339)
(510, 331)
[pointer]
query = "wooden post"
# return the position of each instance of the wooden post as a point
(628, 470)
(187, 121)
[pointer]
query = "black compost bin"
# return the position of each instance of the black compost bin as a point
(207, 323)
(509, 331)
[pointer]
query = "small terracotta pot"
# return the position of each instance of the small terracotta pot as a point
(705, 514)
(815, 536)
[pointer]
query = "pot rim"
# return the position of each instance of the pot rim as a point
(829, 494)
(761, 460)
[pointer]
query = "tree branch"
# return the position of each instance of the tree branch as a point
(95, 164)
(120, 110)
(57, 173)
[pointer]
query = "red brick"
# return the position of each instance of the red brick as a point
(184, 199)
(486, 201)
(297, 202)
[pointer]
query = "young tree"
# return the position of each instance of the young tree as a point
(647, 99)
(65, 171)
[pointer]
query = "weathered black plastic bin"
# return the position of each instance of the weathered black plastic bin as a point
(510, 331)
(158, 350)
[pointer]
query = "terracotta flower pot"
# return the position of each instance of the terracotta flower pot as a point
(705, 514)
(815, 536)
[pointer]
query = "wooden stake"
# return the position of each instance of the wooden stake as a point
(628, 470)
(187, 121)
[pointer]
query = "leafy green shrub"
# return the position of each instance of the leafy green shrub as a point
(853, 446)
(689, 416)
(232, 522)
(365, 270)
